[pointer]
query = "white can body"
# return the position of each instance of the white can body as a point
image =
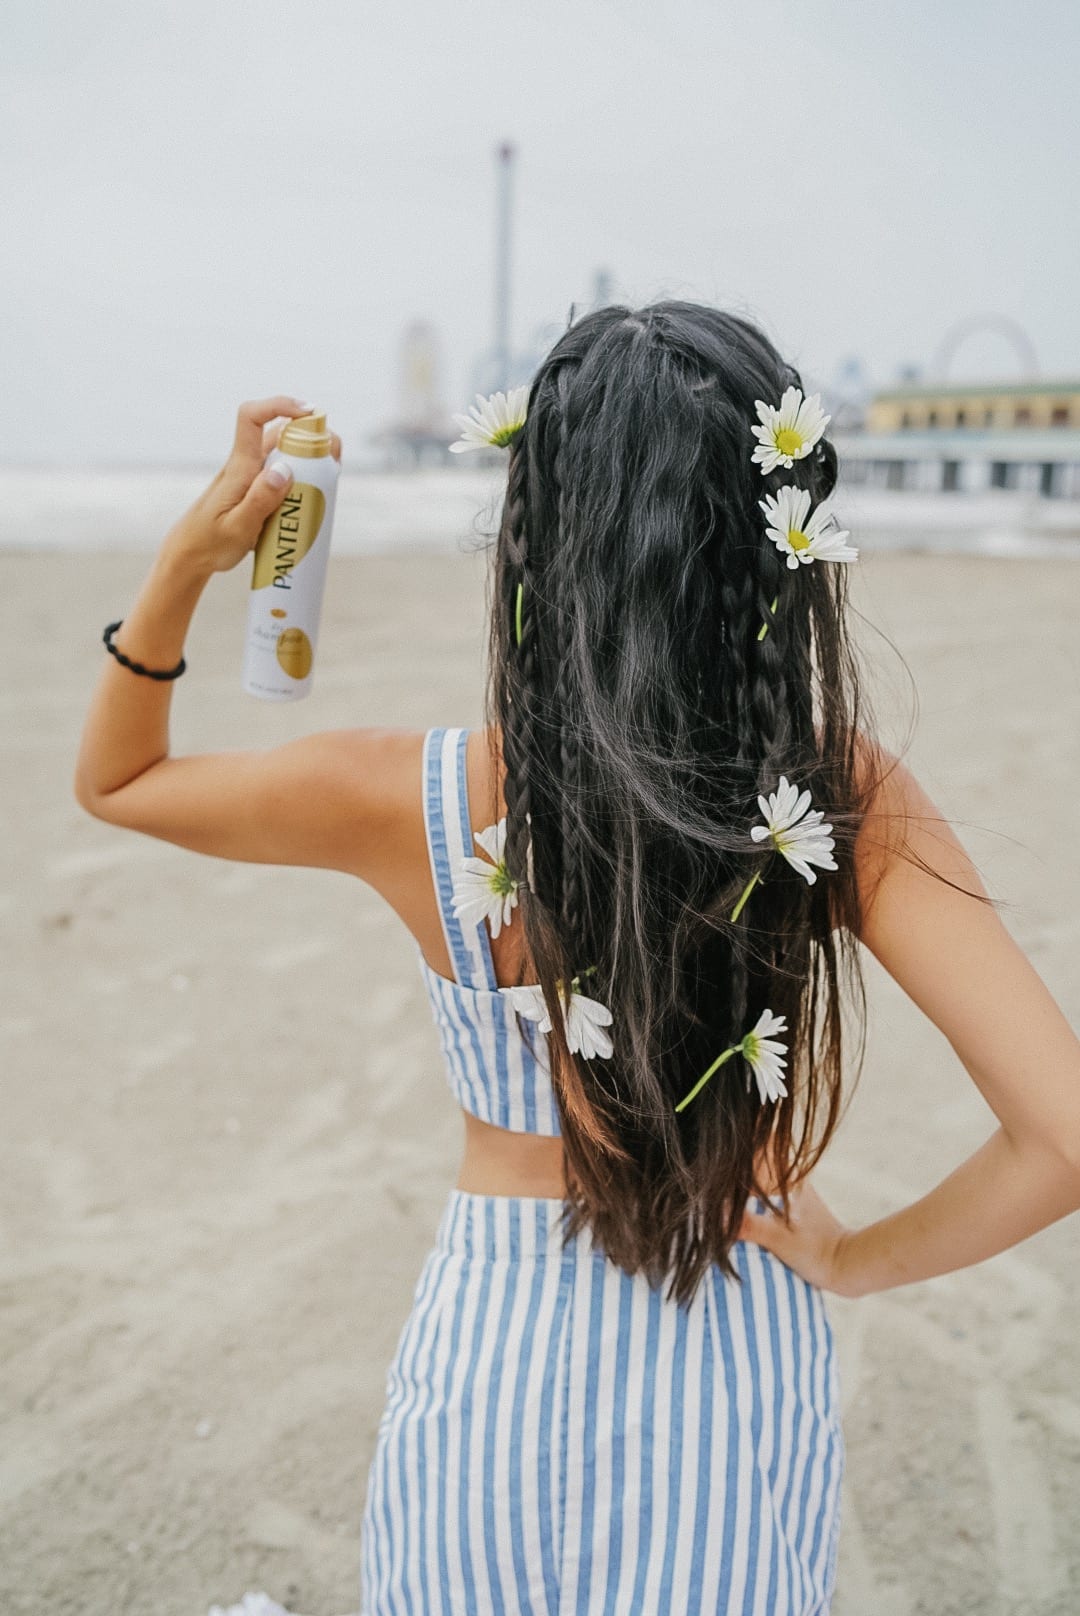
(288, 580)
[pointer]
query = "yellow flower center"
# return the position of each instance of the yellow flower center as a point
(797, 539)
(788, 441)
(501, 881)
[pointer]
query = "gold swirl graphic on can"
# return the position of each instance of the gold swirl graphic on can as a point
(294, 653)
(287, 536)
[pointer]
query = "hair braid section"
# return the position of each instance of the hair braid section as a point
(573, 892)
(517, 707)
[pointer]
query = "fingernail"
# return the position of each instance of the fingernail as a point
(308, 409)
(278, 471)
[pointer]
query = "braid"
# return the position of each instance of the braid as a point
(769, 661)
(739, 614)
(769, 704)
(513, 534)
(532, 764)
(571, 873)
(516, 707)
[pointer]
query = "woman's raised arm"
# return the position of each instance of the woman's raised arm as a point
(328, 799)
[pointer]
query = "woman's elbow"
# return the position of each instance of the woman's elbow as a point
(97, 803)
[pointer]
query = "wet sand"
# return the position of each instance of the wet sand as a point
(227, 1137)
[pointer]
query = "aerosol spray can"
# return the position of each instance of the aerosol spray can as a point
(289, 574)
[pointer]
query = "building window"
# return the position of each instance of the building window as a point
(894, 474)
(1059, 415)
(905, 420)
(1022, 416)
(1046, 478)
(950, 476)
(932, 418)
(999, 474)
(961, 417)
(988, 416)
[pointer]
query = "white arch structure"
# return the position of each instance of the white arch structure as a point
(1003, 326)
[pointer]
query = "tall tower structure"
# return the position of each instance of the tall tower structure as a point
(603, 288)
(504, 173)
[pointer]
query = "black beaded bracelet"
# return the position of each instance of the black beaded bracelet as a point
(137, 667)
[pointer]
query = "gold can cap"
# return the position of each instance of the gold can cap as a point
(306, 435)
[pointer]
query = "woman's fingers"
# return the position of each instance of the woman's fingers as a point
(253, 416)
(761, 1227)
(810, 1245)
(225, 521)
(272, 435)
(247, 454)
(244, 522)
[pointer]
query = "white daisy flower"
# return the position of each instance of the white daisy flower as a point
(766, 1055)
(492, 421)
(484, 891)
(798, 834)
(585, 1019)
(800, 538)
(790, 432)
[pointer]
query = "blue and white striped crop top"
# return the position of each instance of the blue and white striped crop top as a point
(492, 1070)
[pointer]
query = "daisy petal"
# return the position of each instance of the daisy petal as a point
(493, 840)
(492, 422)
(797, 830)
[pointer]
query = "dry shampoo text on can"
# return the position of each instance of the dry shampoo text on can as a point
(289, 574)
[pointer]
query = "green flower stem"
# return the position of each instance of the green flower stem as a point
(764, 629)
(575, 986)
(747, 889)
(701, 1082)
(517, 612)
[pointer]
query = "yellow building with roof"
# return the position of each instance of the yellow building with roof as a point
(969, 437)
(992, 406)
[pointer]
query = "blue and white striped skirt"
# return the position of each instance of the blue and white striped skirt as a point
(560, 1440)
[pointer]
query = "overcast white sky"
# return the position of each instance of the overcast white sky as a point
(207, 202)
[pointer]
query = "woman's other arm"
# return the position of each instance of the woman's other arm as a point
(955, 959)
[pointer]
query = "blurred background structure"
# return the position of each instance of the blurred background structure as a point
(947, 435)
(226, 1138)
(937, 435)
(423, 429)
(485, 180)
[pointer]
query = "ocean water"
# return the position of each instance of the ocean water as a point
(446, 508)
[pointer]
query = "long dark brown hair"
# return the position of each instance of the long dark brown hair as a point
(641, 716)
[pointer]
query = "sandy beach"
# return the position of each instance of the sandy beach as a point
(227, 1136)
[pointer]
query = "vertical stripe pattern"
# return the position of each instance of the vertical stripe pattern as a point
(558, 1438)
(493, 1072)
(561, 1440)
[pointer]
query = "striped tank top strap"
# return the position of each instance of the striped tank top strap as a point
(450, 839)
